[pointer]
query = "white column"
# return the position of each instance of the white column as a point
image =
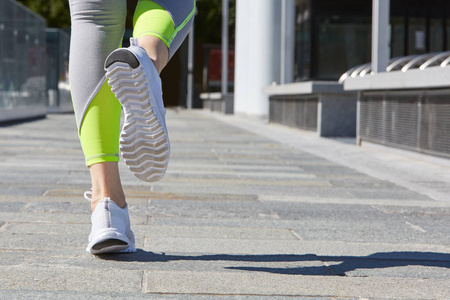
(287, 41)
(380, 35)
(257, 54)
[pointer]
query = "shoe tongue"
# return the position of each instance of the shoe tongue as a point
(134, 42)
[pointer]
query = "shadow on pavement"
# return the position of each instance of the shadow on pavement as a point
(343, 263)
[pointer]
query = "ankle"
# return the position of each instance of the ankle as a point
(117, 198)
(106, 183)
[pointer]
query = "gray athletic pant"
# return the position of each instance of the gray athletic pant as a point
(97, 29)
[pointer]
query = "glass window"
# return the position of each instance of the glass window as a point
(343, 44)
(397, 36)
(303, 41)
(417, 41)
(436, 35)
(447, 34)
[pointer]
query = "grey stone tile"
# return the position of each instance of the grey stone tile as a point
(154, 232)
(59, 207)
(44, 278)
(47, 228)
(12, 177)
(312, 189)
(68, 295)
(40, 242)
(358, 182)
(151, 261)
(11, 206)
(72, 295)
(351, 213)
(60, 218)
(16, 190)
(397, 193)
(226, 222)
(209, 209)
(414, 211)
(188, 188)
(327, 170)
(282, 247)
(251, 283)
(400, 268)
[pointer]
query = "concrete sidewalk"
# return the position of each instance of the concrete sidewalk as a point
(246, 211)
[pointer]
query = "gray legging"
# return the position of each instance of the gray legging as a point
(97, 29)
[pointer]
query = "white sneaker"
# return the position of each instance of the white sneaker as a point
(144, 141)
(110, 231)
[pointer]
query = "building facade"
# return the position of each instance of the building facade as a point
(404, 104)
(333, 36)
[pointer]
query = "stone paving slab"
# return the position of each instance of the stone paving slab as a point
(72, 295)
(286, 247)
(416, 172)
(243, 213)
(47, 242)
(57, 218)
(155, 231)
(270, 284)
(61, 278)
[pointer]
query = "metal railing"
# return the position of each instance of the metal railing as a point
(402, 64)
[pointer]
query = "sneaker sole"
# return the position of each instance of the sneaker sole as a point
(144, 142)
(109, 241)
(109, 246)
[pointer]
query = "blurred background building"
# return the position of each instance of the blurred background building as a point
(376, 70)
(22, 62)
(33, 65)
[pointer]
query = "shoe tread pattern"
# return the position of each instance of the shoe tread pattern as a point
(144, 143)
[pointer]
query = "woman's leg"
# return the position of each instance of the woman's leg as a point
(133, 73)
(97, 29)
(161, 26)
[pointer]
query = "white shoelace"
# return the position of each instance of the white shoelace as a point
(88, 195)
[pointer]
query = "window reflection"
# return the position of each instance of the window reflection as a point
(334, 36)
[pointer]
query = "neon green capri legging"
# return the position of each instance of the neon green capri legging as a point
(97, 29)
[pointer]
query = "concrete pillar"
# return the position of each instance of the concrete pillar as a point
(225, 46)
(287, 60)
(380, 35)
(257, 54)
(190, 79)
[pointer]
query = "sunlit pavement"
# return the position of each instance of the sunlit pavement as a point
(247, 210)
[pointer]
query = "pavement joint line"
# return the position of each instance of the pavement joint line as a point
(296, 235)
(239, 295)
(4, 227)
(375, 203)
(25, 207)
(330, 268)
(415, 227)
(44, 194)
(144, 282)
